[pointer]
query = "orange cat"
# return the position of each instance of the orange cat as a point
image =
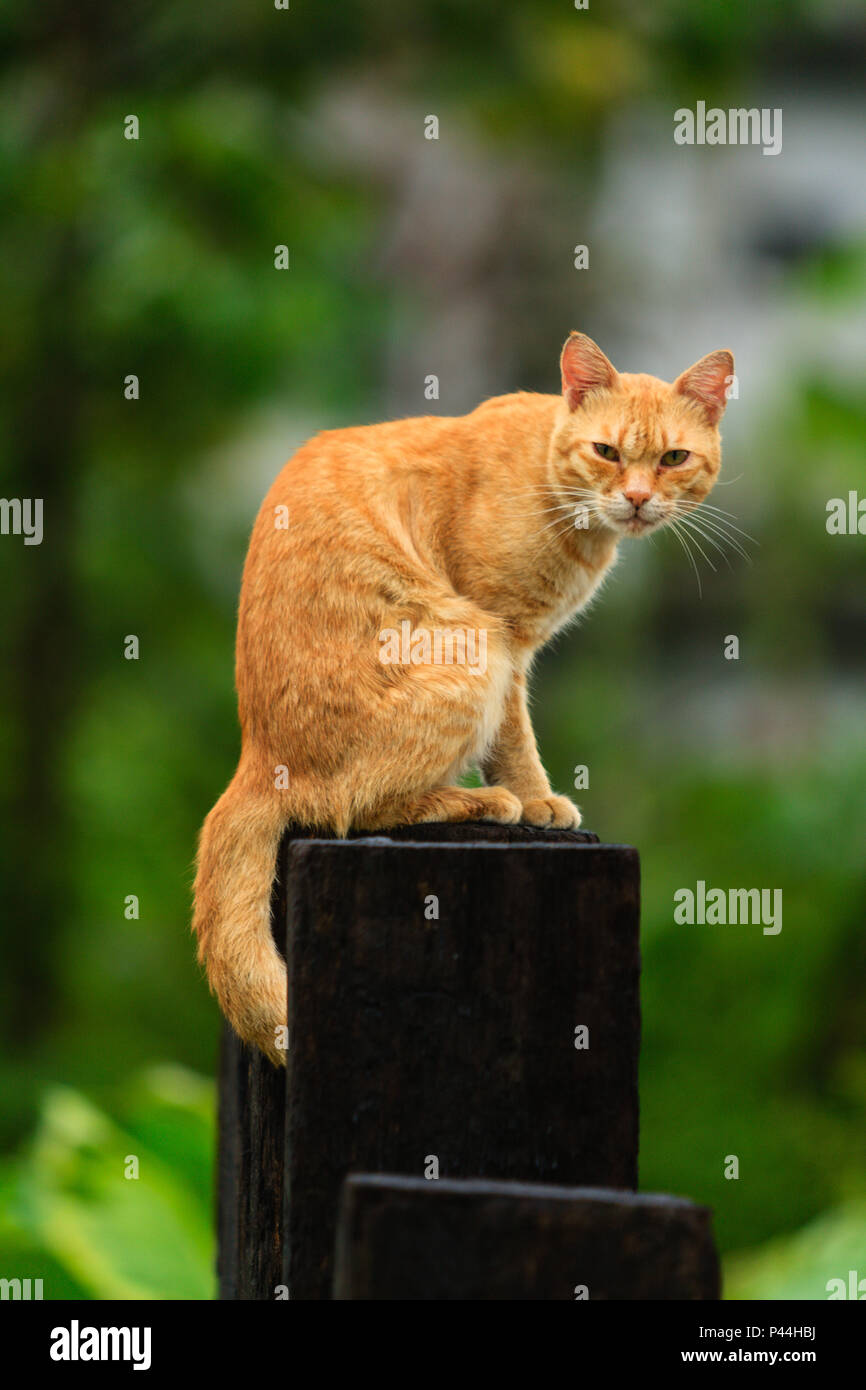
(400, 579)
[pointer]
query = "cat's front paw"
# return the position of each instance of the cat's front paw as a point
(555, 811)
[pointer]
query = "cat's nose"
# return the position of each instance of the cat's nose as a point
(637, 494)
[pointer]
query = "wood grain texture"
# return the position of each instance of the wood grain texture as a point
(251, 1126)
(405, 1238)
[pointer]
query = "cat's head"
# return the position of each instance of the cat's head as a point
(637, 451)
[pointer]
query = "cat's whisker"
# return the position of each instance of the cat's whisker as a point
(700, 548)
(557, 521)
(674, 527)
(589, 508)
(547, 489)
(709, 539)
(711, 524)
(725, 538)
(720, 522)
(572, 494)
(719, 541)
(526, 495)
(577, 494)
(560, 506)
(725, 519)
(711, 507)
(570, 523)
(567, 524)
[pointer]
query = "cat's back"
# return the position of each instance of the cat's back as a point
(355, 454)
(339, 490)
(355, 499)
(390, 440)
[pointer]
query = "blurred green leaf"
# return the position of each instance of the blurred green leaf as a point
(800, 1266)
(112, 1235)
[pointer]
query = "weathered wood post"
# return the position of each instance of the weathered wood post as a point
(462, 999)
(405, 1238)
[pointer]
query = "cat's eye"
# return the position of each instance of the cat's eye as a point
(673, 457)
(607, 451)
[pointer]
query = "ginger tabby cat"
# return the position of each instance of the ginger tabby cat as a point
(399, 581)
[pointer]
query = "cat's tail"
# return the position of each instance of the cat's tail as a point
(237, 859)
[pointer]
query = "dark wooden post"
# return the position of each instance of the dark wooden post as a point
(406, 1238)
(437, 977)
(250, 1159)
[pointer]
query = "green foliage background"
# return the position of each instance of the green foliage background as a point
(156, 257)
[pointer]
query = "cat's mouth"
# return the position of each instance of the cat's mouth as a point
(638, 525)
(635, 523)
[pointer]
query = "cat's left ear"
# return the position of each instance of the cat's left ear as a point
(708, 382)
(584, 368)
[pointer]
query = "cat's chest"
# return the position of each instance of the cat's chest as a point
(556, 595)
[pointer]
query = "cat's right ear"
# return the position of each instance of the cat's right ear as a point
(584, 368)
(708, 382)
